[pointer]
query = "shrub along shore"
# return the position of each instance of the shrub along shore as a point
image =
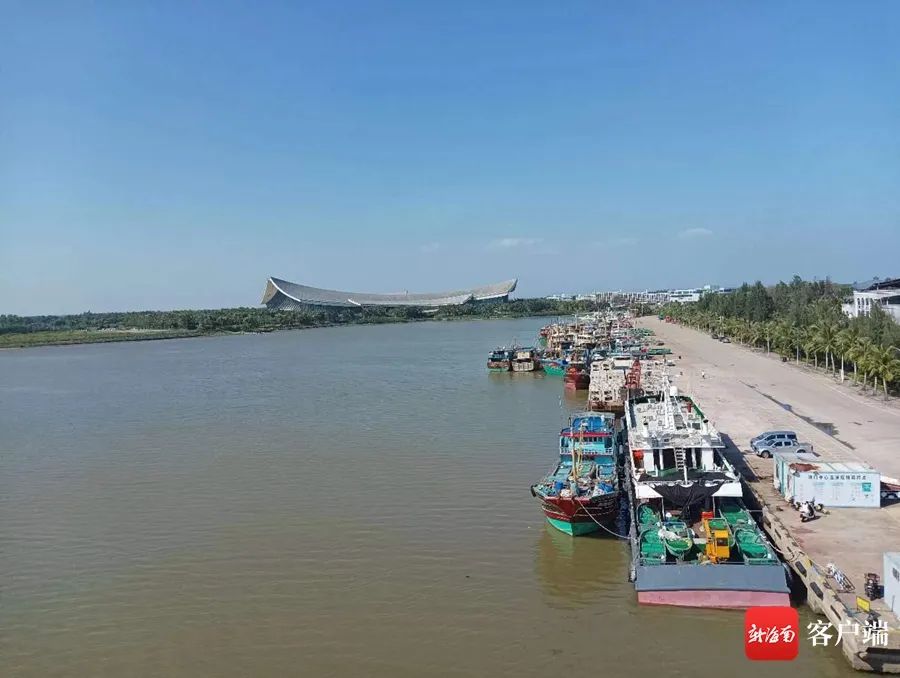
(48, 330)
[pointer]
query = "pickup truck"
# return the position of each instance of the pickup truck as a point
(765, 450)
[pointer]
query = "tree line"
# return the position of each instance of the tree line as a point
(245, 319)
(803, 318)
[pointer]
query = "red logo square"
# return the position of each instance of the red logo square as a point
(771, 633)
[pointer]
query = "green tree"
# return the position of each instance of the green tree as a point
(825, 333)
(883, 363)
(844, 341)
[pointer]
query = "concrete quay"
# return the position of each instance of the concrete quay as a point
(744, 392)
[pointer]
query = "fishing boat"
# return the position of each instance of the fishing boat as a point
(500, 360)
(653, 550)
(677, 538)
(576, 377)
(676, 468)
(525, 360)
(606, 390)
(554, 365)
(581, 494)
(647, 517)
(735, 514)
(753, 546)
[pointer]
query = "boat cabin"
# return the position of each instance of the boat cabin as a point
(675, 451)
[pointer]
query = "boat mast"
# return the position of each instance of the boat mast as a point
(577, 452)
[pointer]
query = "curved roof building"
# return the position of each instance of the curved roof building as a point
(287, 296)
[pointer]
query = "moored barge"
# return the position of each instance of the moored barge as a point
(694, 543)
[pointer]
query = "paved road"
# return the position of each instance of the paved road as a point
(741, 386)
(746, 392)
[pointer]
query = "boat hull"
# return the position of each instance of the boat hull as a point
(555, 370)
(726, 586)
(498, 366)
(731, 600)
(576, 518)
(573, 529)
(577, 384)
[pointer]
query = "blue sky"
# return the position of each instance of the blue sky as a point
(170, 155)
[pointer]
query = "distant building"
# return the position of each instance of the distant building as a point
(884, 293)
(685, 296)
(287, 296)
(650, 297)
(693, 295)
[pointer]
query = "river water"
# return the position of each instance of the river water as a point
(347, 501)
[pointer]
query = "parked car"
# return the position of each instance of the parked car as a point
(766, 450)
(726, 340)
(771, 436)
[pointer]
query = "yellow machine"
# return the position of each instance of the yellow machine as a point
(718, 539)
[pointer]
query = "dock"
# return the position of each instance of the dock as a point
(745, 392)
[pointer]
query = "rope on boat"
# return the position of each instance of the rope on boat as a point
(615, 534)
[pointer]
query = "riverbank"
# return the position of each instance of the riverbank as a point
(66, 337)
(94, 328)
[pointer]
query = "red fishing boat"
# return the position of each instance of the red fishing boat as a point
(577, 378)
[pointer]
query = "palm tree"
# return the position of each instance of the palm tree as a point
(810, 345)
(796, 338)
(825, 333)
(726, 326)
(883, 364)
(857, 354)
(782, 339)
(769, 331)
(845, 339)
(755, 333)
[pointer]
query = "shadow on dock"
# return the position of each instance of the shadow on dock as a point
(734, 454)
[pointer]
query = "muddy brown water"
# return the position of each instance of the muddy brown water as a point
(335, 502)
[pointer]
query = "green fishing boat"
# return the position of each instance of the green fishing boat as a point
(736, 515)
(753, 547)
(677, 538)
(554, 366)
(647, 517)
(653, 551)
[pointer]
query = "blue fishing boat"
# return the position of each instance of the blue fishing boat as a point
(581, 494)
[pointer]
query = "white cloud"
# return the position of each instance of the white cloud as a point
(695, 233)
(430, 247)
(512, 243)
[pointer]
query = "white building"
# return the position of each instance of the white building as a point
(885, 294)
(685, 296)
(694, 294)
